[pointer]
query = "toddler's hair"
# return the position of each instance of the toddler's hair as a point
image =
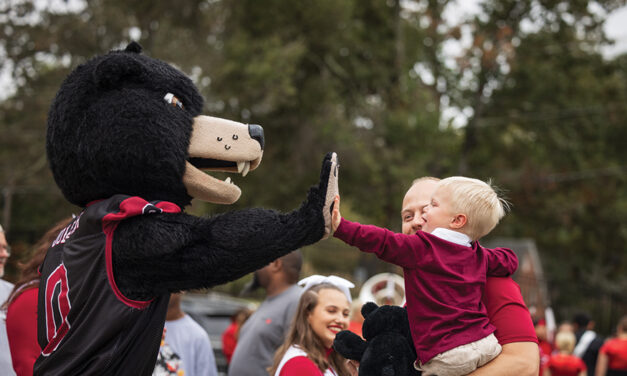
(478, 200)
(425, 178)
(565, 341)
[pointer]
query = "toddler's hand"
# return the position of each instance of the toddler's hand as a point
(336, 217)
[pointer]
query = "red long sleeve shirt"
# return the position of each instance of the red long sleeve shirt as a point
(444, 283)
(22, 332)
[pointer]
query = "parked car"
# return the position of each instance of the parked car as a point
(213, 312)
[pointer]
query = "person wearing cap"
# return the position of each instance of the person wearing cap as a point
(323, 311)
(265, 329)
(6, 366)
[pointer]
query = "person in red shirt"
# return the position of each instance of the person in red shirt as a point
(546, 347)
(229, 337)
(612, 359)
(21, 307)
(564, 363)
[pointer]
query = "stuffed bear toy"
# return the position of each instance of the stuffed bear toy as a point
(388, 349)
(126, 141)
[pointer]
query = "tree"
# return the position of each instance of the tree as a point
(549, 131)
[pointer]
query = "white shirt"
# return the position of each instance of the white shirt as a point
(190, 341)
(6, 365)
(293, 352)
(452, 236)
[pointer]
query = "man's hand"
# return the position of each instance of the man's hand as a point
(353, 367)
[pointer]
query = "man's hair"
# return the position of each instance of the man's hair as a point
(292, 263)
(565, 341)
(476, 199)
(582, 320)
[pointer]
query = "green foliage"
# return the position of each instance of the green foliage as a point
(544, 114)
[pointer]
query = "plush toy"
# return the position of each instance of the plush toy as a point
(126, 141)
(388, 349)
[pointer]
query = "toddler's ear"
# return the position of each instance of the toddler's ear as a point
(459, 221)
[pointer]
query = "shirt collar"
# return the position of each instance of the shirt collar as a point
(452, 236)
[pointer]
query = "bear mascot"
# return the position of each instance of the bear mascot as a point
(126, 141)
(388, 349)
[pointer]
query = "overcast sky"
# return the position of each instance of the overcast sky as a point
(616, 28)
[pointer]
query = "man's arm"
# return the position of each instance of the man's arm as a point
(602, 362)
(516, 359)
(514, 330)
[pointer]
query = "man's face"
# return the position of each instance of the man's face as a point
(414, 203)
(4, 253)
(263, 276)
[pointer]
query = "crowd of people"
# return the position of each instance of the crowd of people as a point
(449, 280)
(576, 349)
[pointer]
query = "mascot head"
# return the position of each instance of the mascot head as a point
(125, 123)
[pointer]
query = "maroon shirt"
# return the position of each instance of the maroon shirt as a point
(444, 282)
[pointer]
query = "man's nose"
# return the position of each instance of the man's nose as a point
(418, 222)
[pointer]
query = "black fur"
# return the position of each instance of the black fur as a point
(110, 132)
(388, 348)
(172, 252)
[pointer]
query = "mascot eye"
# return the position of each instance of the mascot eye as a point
(173, 100)
(235, 137)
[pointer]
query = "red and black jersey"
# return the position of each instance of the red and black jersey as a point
(85, 324)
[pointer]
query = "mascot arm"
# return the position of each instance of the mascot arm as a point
(164, 253)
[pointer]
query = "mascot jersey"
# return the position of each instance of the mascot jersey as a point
(85, 324)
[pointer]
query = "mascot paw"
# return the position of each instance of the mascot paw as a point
(319, 203)
(329, 177)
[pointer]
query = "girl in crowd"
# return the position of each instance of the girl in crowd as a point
(564, 363)
(612, 359)
(21, 306)
(322, 312)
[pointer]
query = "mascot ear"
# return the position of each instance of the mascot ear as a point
(119, 67)
(367, 308)
(134, 47)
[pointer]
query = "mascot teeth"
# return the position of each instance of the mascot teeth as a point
(243, 168)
